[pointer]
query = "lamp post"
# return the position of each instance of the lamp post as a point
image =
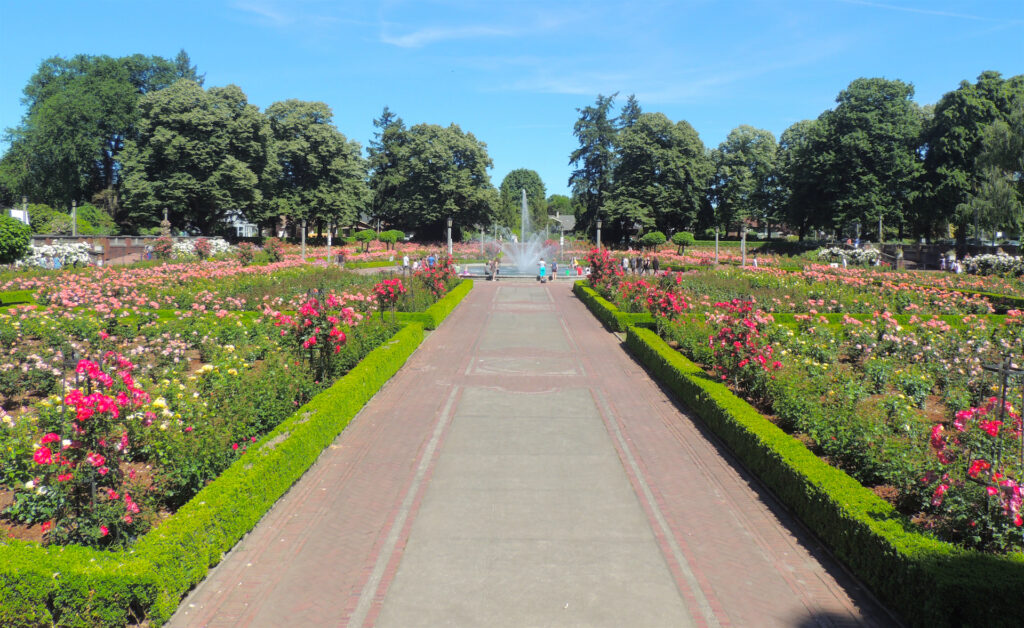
(449, 236)
(74, 218)
(599, 234)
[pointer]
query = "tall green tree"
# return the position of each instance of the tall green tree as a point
(660, 178)
(801, 166)
(874, 164)
(744, 185)
(79, 113)
(321, 174)
(999, 199)
(560, 204)
(952, 142)
(630, 113)
(423, 175)
(199, 154)
(510, 204)
(386, 156)
(594, 159)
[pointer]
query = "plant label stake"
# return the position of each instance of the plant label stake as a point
(1006, 371)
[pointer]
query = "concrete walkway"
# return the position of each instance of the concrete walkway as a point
(523, 470)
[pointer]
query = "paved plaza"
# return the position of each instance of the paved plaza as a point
(523, 470)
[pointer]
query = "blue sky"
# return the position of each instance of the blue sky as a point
(514, 72)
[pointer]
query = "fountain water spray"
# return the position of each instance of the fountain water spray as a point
(525, 253)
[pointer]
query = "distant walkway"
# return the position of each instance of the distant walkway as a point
(523, 470)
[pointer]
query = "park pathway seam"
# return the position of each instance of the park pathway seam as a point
(372, 593)
(693, 587)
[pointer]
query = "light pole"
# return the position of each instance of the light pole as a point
(449, 236)
(599, 234)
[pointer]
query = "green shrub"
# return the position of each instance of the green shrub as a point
(391, 237)
(94, 221)
(40, 215)
(365, 237)
(15, 237)
(683, 239)
(652, 239)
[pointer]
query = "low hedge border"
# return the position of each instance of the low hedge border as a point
(76, 586)
(372, 264)
(433, 315)
(926, 581)
(16, 297)
(610, 316)
(953, 320)
(1001, 302)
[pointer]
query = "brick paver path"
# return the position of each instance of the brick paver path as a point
(523, 470)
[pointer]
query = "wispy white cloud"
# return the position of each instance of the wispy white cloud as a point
(267, 12)
(425, 36)
(411, 26)
(894, 7)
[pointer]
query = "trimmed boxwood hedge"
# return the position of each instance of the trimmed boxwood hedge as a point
(955, 321)
(606, 312)
(926, 581)
(372, 264)
(15, 297)
(433, 315)
(77, 586)
(1001, 302)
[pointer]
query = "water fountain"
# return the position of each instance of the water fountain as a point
(522, 256)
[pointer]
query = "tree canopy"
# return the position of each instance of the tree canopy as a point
(744, 185)
(199, 154)
(510, 203)
(80, 112)
(423, 175)
(321, 175)
(660, 177)
(594, 159)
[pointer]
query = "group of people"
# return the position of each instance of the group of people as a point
(952, 264)
(429, 261)
(542, 271)
(640, 265)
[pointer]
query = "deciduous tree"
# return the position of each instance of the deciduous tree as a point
(509, 208)
(660, 178)
(199, 154)
(321, 175)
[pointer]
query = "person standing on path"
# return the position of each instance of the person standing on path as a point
(405, 264)
(655, 264)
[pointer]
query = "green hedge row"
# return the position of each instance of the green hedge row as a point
(924, 580)
(373, 264)
(953, 320)
(14, 297)
(610, 316)
(1001, 302)
(433, 315)
(75, 586)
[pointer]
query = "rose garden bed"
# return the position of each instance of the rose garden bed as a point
(139, 445)
(895, 401)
